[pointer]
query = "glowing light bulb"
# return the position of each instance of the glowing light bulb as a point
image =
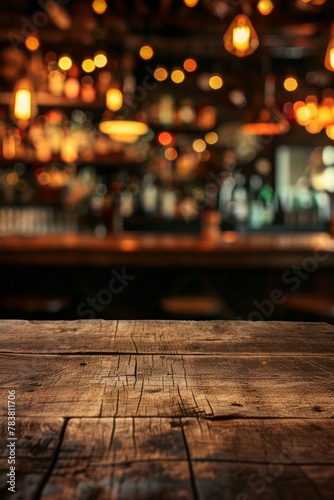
(114, 99)
(22, 107)
(329, 57)
(240, 38)
(241, 35)
(265, 7)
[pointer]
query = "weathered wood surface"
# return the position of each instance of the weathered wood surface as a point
(36, 448)
(169, 410)
(165, 337)
(153, 458)
(170, 385)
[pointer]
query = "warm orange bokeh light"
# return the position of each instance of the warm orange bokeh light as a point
(290, 84)
(265, 7)
(171, 154)
(32, 43)
(146, 52)
(99, 6)
(160, 74)
(190, 3)
(165, 138)
(190, 65)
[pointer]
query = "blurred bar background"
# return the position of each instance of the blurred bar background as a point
(167, 159)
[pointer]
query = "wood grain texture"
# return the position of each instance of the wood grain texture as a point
(170, 385)
(261, 440)
(145, 458)
(36, 445)
(165, 337)
(272, 481)
(121, 459)
(169, 410)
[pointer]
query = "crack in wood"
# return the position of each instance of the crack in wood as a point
(45, 480)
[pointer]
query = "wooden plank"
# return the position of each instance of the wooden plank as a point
(36, 445)
(166, 337)
(303, 442)
(146, 458)
(123, 459)
(273, 481)
(170, 385)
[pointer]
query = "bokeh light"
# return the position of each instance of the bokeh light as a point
(216, 82)
(32, 43)
(165, 138)
(190, 65)
(65, 63)
(290, 84)
(199, 145)
(160, 74)
(171, 154)
(88, 65)
(177, 76)
(146, 52)
(100, 60)
(99, 6)
(211, 137)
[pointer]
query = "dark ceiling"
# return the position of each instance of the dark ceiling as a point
(293, 38)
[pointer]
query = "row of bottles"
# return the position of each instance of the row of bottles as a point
(102, 202)
(258, 206)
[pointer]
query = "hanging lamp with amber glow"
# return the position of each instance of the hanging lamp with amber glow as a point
(329, 57)
(241, 38)
(23, 105)
(119, 129)
(114, 99)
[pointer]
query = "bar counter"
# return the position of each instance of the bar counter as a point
(230, 249)
(167, 410)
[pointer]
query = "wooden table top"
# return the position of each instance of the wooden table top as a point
(168, 410)
(230, 249)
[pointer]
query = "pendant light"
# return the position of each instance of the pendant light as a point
(240, 38)
(23, 105)
(124, 130)
(329, 57)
